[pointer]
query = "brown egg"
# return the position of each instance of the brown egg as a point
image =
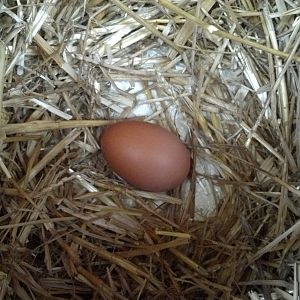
(145, 155)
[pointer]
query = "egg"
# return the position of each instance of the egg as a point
(145, 155)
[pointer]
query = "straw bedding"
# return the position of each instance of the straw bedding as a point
(223, 76)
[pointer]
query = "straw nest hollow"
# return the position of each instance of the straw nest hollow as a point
(221, 74)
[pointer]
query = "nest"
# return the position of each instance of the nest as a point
(223, 75)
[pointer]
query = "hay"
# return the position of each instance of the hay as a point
(223, 75)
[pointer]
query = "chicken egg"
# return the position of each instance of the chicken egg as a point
(145, 155)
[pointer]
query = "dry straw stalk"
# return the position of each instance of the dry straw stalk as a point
(223, 76)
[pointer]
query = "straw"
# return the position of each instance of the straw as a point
(223, 76)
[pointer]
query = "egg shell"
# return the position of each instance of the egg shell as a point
(145, 155)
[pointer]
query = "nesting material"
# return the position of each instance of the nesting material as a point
(223, 76)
